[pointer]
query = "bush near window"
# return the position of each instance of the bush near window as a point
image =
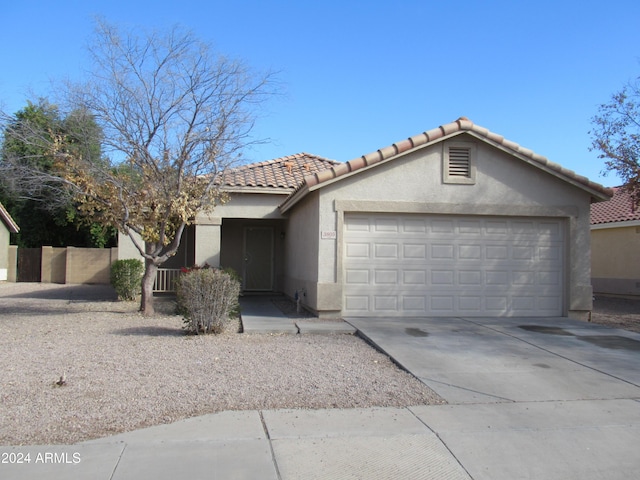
(207, 299)
(126, 278)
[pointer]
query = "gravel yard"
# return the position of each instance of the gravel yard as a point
(617, 312)
(123, 371)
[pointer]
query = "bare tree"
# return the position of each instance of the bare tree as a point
(616, 134)
(172, 116)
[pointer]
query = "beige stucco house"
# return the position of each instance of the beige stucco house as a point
(615, 240)
(7, 226)
(455, 221)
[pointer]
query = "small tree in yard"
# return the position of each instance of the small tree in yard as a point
(172, 116)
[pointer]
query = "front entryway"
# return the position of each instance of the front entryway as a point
(258, 259)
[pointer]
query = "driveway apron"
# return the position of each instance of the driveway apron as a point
(548, 398)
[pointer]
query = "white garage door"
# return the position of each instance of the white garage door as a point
(437, 265)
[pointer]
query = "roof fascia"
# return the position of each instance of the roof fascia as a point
(259, 190)
(545, 165)
(302, 192)
(620, 224)
(10, 222)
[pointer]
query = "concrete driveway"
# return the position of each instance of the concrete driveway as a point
(528, 397)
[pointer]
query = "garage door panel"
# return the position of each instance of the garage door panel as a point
(386, 251)
(358, 250)
(414, 251)
(415, 304)
(474, 266)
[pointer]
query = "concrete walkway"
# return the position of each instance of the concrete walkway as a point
(528, 398)
(260, 315)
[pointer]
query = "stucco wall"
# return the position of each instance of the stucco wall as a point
(247, 206)
(504, 186)
(615, 260)
(4, 251)
(301, 251)
(89, 265)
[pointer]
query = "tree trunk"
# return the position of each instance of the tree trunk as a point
(148, 279)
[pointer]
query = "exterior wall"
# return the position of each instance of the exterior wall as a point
(301, 254)
(243, 205)
(89, 265)
(615, 260)
(4, 252)
(413, 184)
(54, 265)
(12, 273)
(207, 238)
(126, 248)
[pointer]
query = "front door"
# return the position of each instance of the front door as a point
(258, 259)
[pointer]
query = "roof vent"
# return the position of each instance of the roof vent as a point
(459, 162)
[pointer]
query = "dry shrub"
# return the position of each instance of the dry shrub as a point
(207, 299)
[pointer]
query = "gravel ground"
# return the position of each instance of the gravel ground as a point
(123, 371)
(617, 312)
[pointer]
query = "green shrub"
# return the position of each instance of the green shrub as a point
(126, 278)
(207, 299)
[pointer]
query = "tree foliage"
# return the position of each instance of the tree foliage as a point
(616, 135)
(172, 116)
(44, 217)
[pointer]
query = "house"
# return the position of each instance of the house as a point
(615, 245)
(7, 226)
(455, 221)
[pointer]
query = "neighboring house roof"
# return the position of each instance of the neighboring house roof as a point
(462, 125)
(619, 209)
(283, 174)
(11, 224)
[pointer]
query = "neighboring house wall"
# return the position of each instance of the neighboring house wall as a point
(615, 262)
(7, 261)
(4, 251)
(413, 184)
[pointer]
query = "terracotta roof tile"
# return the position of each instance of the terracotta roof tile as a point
(285, 173)
(461, 125)
(619, 209)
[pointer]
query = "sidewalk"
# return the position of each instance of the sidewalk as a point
(536, 440)
(375, 443)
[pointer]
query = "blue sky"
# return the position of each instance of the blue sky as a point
(360, 75)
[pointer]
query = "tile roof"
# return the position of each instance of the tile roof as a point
(285, 173)
(461, 125)
(619, 209)
(11, 224)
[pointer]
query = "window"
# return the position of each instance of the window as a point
(458, 165)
